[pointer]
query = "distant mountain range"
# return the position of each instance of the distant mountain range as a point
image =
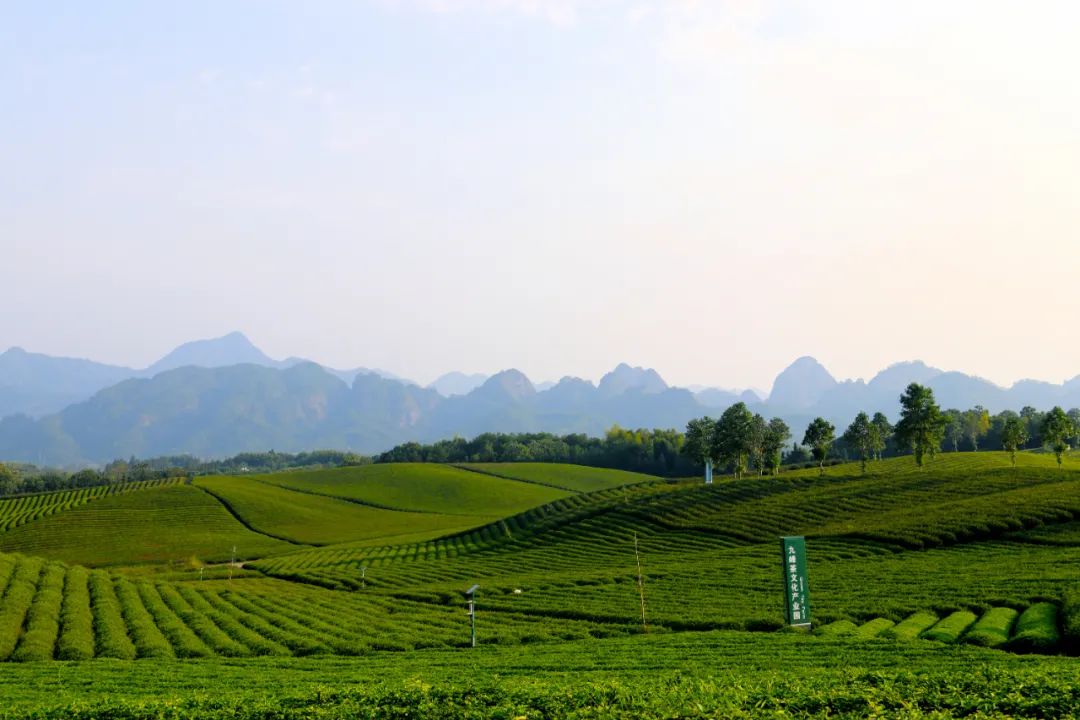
(36, 385)
(214, 398)
(807, 388)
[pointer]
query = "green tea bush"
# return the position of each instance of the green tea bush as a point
(910, 627)
(1070, 621)
(874, 628)
(213, 636)
(227, 620)
(76, 640)
(149, 641)
(7, 567)
(16, 601)
(993, 628)
(1036, 630)
(43, 617)
(297, 639)
(950, 628)
(183, 640)
(316, 620)
(109, 629)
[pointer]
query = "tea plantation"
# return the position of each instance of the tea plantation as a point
(950, 591)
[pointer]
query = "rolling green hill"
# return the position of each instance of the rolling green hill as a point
(155, 525)
(889, 544)
(304, 517)
(379, 505)
(579, 478)
(970, 553)
(424, 487)
(15, 511)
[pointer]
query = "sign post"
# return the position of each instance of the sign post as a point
(796, 590)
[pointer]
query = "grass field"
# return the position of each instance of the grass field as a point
(422, 487)
(303, 517)
(915, 578)
(578, 478)
(15, 511)
(156, 525)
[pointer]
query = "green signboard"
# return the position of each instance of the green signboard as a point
(796, 589)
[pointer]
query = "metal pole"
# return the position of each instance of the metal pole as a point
(471, 594)
(640, 585)
(472, 616)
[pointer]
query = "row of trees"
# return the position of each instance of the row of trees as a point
(739, 437)
(656, 452)
(923, 427)
(21, 479)
(977, 429)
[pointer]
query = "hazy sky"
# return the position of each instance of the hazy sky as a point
(709, 188)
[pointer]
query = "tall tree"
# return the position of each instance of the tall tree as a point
(758, 430)
(734, 437)
(976, 424)
(860, 436)
(1034, 420)
(699, 443)
(884, 432)
(1074, 415)
(954, 428)
(1013, 436)
(921, 426)
(776, 436)
(1057, 429)
(8, 480)
(820, 434)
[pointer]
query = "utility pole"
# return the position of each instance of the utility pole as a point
(640, 584)
(232, 563)
(363, 576)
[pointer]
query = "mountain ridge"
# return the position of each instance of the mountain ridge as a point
(37, 384)
(295, 404)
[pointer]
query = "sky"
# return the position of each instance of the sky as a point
(708, 188)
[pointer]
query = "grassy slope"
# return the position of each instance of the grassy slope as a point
(317, 519)
(157, 525)
(578, 478)
(22, 509)
(708, 555)
(709, 552)
(422, 487)
(947, 462)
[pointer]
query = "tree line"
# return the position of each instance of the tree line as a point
(654, 452)
(740, 439)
